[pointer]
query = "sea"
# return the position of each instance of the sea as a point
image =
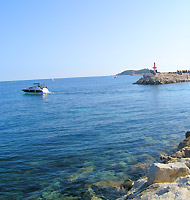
(87, 131)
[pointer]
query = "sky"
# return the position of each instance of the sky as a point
(42, 39)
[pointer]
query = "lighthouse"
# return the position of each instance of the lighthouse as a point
(155, 68)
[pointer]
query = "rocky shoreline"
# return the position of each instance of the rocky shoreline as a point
(163, 78)
(169, 179)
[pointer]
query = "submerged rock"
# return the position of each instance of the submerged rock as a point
(127, 184)
(98, 192)
(81, 173)
(138, 187)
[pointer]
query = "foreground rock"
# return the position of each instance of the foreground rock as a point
(178, 190)
(166, 181)
(163, 78)
(183, 151)
(169, 180)
(160, 173)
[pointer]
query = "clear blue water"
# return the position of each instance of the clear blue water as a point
(88, 130)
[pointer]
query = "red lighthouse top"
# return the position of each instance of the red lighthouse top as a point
(154, 66)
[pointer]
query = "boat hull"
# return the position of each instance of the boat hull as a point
(32, 91)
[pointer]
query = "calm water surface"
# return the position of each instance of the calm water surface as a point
(88, 130)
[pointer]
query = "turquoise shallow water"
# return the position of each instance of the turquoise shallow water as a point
(88, 130)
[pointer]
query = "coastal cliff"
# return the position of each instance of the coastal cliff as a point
(163, 78)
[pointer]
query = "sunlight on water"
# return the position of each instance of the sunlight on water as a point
(88, 131)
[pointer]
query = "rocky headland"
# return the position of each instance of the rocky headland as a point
(134, 72)
(169, 179)
(163, 78)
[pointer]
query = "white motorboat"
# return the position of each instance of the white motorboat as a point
(37, 88)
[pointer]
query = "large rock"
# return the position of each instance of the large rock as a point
(178, 190)
(167, 159)
(186, 161)
(184, 143)
(187, 134)
(182, 153)
(160, 173)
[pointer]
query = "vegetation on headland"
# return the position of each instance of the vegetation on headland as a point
(134, 72)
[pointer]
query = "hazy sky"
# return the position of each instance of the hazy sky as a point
(71, 38)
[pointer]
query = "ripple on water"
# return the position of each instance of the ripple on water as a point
(87, 131)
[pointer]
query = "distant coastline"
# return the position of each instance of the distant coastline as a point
(135, 72)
